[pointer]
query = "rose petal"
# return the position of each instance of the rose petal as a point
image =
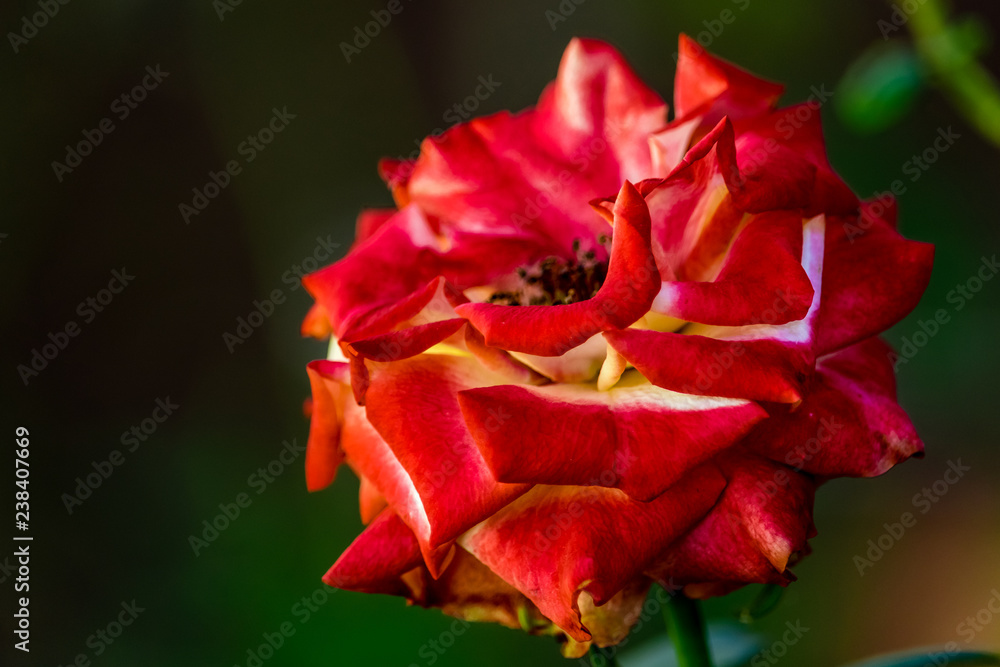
(763, 517)
(396, 174)
(500, 361)
(413, 405)
(368, 453)
(761, 370)
(597, 93)
(369, 222)
(434, 302)
(760, 362)
(531, 175)
(370, 500)
(697, 209)
(385, 559)
(747, 289)
(555, 543)
(377, 559)
(323, 452)
(580, 364)
(397, 345)
(873, 276)
(625, 296)
(397, 263)
(849, 423)
(635, 437)
(693, 217)
(797, 130)
(703, 79)
(316, 324)
(610, 623)
(669, 145)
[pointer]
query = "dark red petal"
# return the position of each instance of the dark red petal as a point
(872, 278)
(389, 266)
(377, 559)
(412, 326)
(625, 296)
(556, 543)
(500, 361)
(760, 173)
(489, 179)
(635, 437)
(435, 302)
(392, 269)
(359, 377)
(760, 362)
(763, 518)
(798, 129)
(404, 344)
(761, 370)
(747, 289)
(763, 176)
(849, 423)
(699, 207)
(702, 79)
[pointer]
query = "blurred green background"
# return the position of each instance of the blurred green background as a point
(163, 335)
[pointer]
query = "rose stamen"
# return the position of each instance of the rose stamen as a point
(554, 281)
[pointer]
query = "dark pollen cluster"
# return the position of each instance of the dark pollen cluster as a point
(556, 282)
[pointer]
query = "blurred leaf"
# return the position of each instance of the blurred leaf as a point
(879, 88)
(923, 657)
(766, 601)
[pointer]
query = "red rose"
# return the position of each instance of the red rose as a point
(555, 395)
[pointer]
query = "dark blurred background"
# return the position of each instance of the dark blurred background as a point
(226, 67)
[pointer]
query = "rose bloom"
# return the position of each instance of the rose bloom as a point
(591, 349)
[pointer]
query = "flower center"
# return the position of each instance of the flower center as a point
(554, 281)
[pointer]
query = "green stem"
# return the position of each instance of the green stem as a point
(965, 82)
(600, 657)
(687, 631)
